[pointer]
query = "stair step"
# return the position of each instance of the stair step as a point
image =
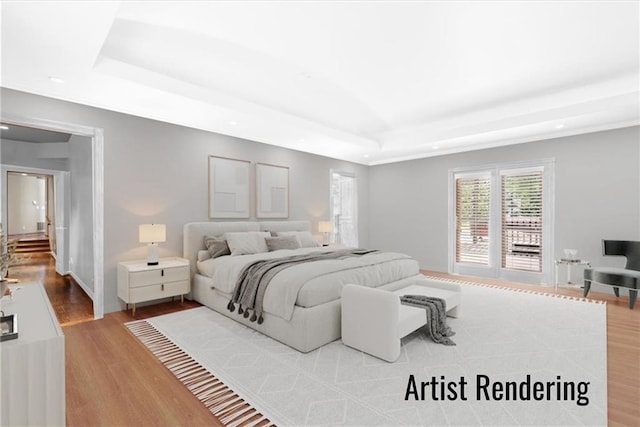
(33, 246)
(31, 251)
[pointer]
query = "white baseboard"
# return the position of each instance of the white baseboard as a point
(83, 285)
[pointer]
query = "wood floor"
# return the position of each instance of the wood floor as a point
(69, 301)
(114, 380)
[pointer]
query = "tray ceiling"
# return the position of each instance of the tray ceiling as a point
(369, 82)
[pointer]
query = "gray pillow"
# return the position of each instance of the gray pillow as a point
(216, 246)
(283, 242)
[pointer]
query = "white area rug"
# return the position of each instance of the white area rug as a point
(501, 335)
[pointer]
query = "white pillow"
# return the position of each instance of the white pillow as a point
(304, 237)
(203, 254)
(247, 242)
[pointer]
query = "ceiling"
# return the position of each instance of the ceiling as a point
(368, 82)
(27, 134)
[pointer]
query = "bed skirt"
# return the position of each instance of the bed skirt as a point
(309, 327)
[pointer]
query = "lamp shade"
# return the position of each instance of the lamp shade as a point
(325, 226)
(152, 233)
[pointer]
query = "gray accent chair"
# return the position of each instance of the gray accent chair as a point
(628, 277)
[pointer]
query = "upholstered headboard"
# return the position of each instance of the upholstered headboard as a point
(194, 232)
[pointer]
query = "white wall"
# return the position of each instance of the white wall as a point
(22, 192)
(157, 172)
(81, 212)
(597, 195)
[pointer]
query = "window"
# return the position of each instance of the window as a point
(344, 208)
(501, 222)
(521, 199)
(472, 219)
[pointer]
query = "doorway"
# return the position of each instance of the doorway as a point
(95, 210)
(29, 212)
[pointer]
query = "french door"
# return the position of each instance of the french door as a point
(501, 222)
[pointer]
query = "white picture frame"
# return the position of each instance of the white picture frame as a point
(272, 191)
(229, 188)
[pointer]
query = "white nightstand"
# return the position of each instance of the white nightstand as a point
(138, 282)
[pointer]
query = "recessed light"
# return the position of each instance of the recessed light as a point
(435, 147)
(3, 127)
(232, 123)
(301, 139)
(559, 126)
(56, 79)
(366, 156)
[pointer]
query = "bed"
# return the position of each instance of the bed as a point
(302, 302)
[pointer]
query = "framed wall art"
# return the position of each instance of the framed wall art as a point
(272, 191)
(228, 188)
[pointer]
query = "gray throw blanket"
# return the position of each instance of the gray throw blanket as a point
(436, 316)
(254, 279)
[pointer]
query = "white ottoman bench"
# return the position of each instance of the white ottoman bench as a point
(374, 321)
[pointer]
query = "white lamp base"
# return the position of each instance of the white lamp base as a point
(152, 256)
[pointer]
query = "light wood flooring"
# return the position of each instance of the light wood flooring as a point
(112, 379)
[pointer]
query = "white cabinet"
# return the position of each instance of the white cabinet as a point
(33, 370)
(138, 282)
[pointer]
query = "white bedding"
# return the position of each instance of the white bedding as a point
(310, 284)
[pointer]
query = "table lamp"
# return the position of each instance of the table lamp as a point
(325, 227)
(152, 234)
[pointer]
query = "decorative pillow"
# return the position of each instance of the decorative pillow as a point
(304, 237)
(216, 246)
(283, 242)
(203, 255)
(247, 242)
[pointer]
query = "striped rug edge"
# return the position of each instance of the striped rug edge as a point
(224, 403)
(506, 288)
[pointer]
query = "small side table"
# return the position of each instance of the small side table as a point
(569, 263)
(138, 282)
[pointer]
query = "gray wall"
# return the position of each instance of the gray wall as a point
(157, 172)
(597, 195)
(81, 211)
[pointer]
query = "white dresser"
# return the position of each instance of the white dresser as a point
(33, 370)
(138, 282)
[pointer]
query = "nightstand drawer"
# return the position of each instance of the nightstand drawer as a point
(151, 292)
(160, 275)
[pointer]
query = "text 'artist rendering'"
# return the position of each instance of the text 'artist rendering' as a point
(484, 388)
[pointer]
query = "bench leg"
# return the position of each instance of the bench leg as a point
(587, 286)
(633, 296)
(616, 290)
(454, 312)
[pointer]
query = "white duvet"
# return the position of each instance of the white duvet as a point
(313, 283)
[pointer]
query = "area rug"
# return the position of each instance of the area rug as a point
(522, 358)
